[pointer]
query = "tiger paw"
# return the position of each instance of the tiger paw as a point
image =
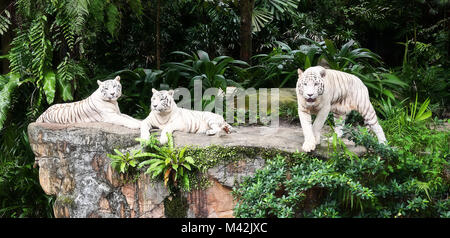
(163, 140)
(211, 132)
(309, 146)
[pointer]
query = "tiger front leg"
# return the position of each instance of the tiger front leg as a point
(310, 142)
(319, 122)
(145, 129)
(170, 128)
(214, 128)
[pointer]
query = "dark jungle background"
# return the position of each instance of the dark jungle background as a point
(53, 51)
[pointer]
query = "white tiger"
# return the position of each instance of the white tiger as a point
(166, 115)
(101, 106)
(320, 91)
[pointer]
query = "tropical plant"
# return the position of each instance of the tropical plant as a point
(279, 67)
(47, 65)
(415, 115)
(385, 182)
(170, 164)
(212, 73)
(123, 162)
(5, 21)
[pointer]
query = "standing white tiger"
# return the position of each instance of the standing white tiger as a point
(166, 115)
(320, 91)
(101, 106)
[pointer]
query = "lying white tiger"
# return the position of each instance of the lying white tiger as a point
(101, 106)
(166, 115)
(320, 91)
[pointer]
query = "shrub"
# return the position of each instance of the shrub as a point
(410, 179)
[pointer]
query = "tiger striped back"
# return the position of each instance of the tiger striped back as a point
(66, 113)
(350, 93)
(91, 109)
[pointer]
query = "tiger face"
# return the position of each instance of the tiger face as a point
(311, 83)
(110, 90)
(162, 101)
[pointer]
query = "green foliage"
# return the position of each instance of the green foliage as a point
(122, 162)
(279, 68)
(170, 164)
(8, 84)
(134, 82)
(5, 21)
(61, 47)
(46, 61)
(407, 181)
(212, 73)
(165, 162)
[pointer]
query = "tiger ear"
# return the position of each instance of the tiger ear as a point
(171, 93)
(300, 72)
(99, 82)
(117, 78)
(154, 91)
(322, 73)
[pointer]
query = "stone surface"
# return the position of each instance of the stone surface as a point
(74, 167)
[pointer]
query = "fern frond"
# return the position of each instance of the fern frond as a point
(5, 95)
(67, 72)
(4, 21)
(113, 19)
(136, 7)
(41, 48)
(78, 11)
(20, 54)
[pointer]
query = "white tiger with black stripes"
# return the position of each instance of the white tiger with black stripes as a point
(320, 91)
(166, 115)
(101, 106)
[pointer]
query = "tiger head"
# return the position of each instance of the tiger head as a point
(110, 90)
(310, 83)
(162, 101)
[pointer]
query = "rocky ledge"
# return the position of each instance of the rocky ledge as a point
(74, 167)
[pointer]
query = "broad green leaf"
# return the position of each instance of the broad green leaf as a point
(49, 86)
(189, 159)
(186, 181)
(393, 79)
(122, 167)
(330, 47)
(187, 166)
(118, 152)
(389, 94)
(202, 55)
(181, 154)
(66, 90)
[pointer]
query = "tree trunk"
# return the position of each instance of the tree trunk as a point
(158, 35)
(246, 8)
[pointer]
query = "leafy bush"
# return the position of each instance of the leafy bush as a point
(164, 161)
(410, 180)
(171, 163)
(212, 73)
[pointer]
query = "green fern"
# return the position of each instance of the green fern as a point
(78, 11)
(5, 94)
(4, 21)
(19, 56)
(113, 19)
(68, 70)
(41, 48)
